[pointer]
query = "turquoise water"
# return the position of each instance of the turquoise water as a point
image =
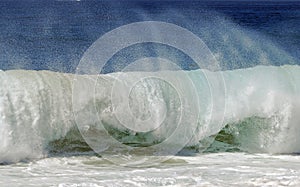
(220, 112)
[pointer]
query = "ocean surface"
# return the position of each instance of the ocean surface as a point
(149, 93)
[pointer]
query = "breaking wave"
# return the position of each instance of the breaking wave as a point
(260, 113)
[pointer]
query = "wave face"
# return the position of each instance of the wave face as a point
(35, 109)
(260, 113)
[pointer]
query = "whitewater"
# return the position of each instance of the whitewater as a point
(254, 109)
(156, 114)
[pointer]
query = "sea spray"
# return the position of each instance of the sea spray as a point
(262, 107)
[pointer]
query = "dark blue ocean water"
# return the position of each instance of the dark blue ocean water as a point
(53, 35)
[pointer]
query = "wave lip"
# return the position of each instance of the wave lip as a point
(261, 114)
